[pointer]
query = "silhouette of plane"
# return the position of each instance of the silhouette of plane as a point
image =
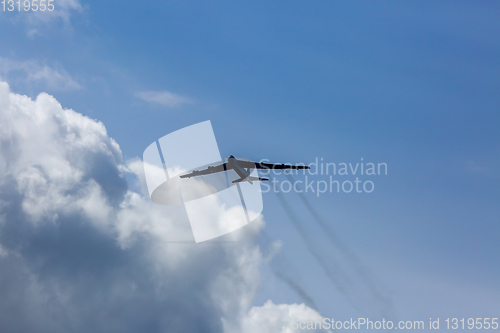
(242, 168)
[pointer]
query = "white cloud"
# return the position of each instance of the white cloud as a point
(285, 318)
(34, 74)
(36, 21)
(164, 98)
(81, 252)
(63, 9)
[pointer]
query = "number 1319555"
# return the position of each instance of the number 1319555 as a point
(27, 5)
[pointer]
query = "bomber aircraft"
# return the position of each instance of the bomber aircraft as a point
(243, 168)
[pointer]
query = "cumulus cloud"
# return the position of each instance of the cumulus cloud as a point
(34, 74)
(81, 252)
(163, 98)
(285, 318)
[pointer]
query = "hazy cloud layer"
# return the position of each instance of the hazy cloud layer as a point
(37, 20)
(80, 252)
(34, 74)
(164, 98)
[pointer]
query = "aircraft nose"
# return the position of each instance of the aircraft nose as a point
(231, 156)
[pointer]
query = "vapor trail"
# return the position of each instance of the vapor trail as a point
(332, 274)
(339, 274)
(298, 289)
(358, 266)
(279, 270)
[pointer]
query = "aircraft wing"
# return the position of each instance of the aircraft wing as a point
(207, 171)
(256, 165)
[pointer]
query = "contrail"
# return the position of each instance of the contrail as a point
(333, 269)
(359, 267)
(279, 270)
(295, 287)
(333, 275)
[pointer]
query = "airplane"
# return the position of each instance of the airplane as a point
(242, 168)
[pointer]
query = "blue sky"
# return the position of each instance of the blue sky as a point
(411, 84)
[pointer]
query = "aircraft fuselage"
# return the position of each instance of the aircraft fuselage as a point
(233, 164)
